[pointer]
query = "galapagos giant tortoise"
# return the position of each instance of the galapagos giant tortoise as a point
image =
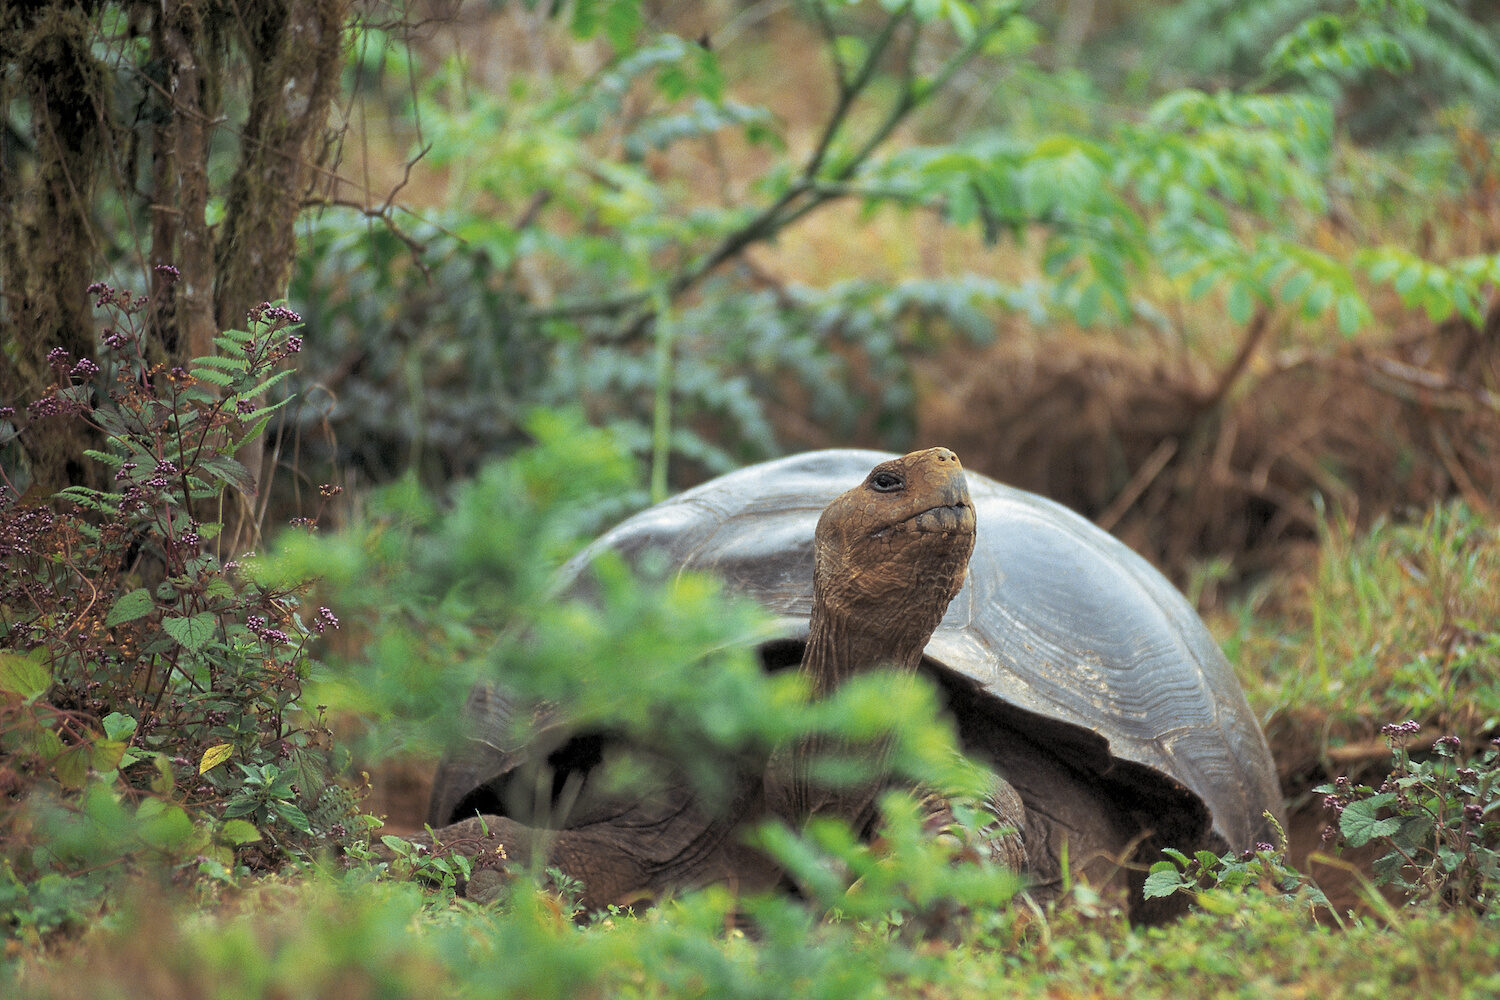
(1068, 664)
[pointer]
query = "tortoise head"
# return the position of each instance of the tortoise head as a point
(891, 553)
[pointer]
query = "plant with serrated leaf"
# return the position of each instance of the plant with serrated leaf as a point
(1205, 874)
(1437, 817)
(135, 662)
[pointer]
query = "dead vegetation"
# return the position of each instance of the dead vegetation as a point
(1188, 465)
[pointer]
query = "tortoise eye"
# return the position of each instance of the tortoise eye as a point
(886, 482)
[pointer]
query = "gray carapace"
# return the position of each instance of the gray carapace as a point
(1069, 664)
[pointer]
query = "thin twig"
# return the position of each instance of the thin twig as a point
(1138, 484)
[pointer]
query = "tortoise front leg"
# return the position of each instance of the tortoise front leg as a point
(631, 856)
(608, 870)
(1001, 840)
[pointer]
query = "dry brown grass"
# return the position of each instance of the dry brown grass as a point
(1185, 466)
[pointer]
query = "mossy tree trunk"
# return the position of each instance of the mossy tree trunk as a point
(118, 111)
(47, 243)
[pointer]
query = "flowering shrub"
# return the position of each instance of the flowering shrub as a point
(1438, 818)
(147, 684)
(1263, 866)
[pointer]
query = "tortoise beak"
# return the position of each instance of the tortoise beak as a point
(944, 476)
(958, 517)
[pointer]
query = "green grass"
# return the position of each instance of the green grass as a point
(330, 937)
(1401, 622)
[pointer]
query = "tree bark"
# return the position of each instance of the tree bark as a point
(295, 53)
(180, 146)
(48, 246)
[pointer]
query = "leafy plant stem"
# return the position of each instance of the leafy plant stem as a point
(849, 90)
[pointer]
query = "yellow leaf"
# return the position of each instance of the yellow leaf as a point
(214, 756)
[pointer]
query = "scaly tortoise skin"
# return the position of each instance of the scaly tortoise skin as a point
(1069, 664)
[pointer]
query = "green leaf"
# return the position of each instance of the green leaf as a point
(294, 817)
(395, 844)
(244, 806)
(47, 744)
(214, 756)
(163, 782)
(1352, 314)
(1359, 823)
(164, 826)
(230, 471)
(26, 674)
(118, 726)
(107, 754)
(72, 768)
(111, 460)
(229, 364)
(1175, 855)
(130, 606)
(1164, 880)
(1241, 302)
(1088, 304)
(217, 378)
(850, 50)
(191, 633)
(237, 831)
(1409, 278)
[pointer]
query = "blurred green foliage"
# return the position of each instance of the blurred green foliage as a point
(591, 241)
(564, 266)
(1393, 66)
(356, 938)
(444, 596)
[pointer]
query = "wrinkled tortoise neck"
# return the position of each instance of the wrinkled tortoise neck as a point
(841, 645)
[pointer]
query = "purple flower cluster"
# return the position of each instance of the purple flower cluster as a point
(134, 499)
(85, 369)
(47, 406)
(324, 621)
(1341, 795)
(1400, 730)
(258, 625)
(1261, 847)
(268, 313)
(59, 358)
(20, 532)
